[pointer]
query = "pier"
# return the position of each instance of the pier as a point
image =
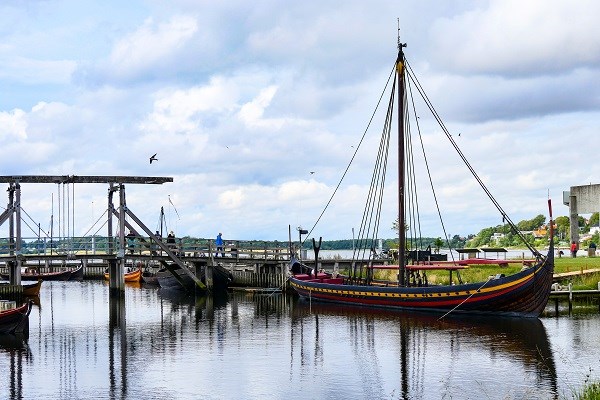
(568, 294)
(115, 256)
(251, 263)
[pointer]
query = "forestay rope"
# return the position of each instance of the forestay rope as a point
(471, 169)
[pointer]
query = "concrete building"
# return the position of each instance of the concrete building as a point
(581, 200)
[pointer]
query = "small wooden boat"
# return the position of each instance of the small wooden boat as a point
(77, 274)
(167, 280)
(15, 320)
(149, 278)
(222, 278)
(32, 289)
(32, 274)
(129, 276)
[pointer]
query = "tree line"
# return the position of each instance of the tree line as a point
(536, 232)
(485, 237)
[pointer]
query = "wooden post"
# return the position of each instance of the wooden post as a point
(208, 276)
(14, 270)
(109, 225)
(117, 267)
(570, 298)
(18, 249)
(116, 278)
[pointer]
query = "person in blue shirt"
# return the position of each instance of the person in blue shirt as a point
(219, 244)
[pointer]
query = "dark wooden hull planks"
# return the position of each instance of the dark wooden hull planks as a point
(523, 294)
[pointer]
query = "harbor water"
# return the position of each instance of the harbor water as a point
(153, 344)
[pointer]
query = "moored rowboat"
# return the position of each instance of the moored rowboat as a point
(15, 320)
(32, 289)
(131, 276)
(33, 275)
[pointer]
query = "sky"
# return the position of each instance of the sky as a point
(256, 108)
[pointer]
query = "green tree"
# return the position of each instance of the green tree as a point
(483, 237)
(593, 221)
(531, 224)
(507, 240)
(395, 225)
(438, 243)
(562, 226)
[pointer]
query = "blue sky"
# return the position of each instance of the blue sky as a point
(242, 100)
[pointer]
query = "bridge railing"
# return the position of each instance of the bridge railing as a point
(138, 245)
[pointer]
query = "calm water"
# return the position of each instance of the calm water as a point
(162, 346)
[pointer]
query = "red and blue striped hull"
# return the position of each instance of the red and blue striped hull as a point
(523, 294)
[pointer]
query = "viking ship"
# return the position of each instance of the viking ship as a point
(523, 294)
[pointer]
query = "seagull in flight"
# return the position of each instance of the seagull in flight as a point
(312, 172)
(153, 158)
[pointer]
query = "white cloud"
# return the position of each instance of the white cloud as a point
(517, 38)
(13, 125)
(252, 112)
(151, 44)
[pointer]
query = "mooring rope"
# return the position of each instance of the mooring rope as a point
(280, 287)
(463, 302)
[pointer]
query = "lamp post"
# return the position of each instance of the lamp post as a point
(300, 233)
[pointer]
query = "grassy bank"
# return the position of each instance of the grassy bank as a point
(589, 392)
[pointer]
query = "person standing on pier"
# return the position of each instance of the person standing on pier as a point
(131, 241)
(171, 241)
(219, 244)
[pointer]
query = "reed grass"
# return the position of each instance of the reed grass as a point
(591, 391)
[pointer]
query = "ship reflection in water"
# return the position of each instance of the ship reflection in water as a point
(457, 357)
(163, 345)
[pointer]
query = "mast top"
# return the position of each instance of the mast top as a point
(400, 44)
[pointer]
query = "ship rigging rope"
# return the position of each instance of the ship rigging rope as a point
(101, 226)
(463, 302)
(462, 156)
(31, 229)
(94, 224)
(59, 211)
(411, 199)
(73, 210)
(353, 156)
(426, 161)
(68, 211)
(369, 226)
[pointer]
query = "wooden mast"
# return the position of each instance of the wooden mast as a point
(401, 158)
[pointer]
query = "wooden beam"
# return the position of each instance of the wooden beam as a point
(153, 180)
(165, 248)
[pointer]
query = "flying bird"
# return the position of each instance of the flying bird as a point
(312, 172)
(153, 158)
